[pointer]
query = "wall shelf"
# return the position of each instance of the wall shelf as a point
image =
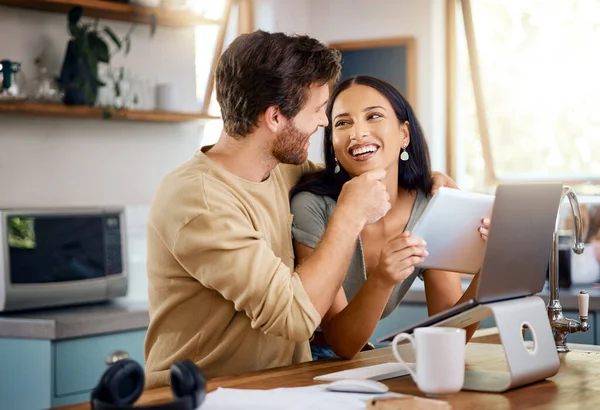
(68, 111)
(110, 10)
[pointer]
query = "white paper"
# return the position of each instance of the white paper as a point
(289, 398)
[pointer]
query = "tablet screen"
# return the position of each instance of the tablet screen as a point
(450, 226)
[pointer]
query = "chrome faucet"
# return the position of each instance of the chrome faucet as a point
(562, 326)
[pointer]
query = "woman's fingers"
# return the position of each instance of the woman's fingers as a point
(404, 241)
(402, 263)
(406, 253)
(484, 229)
(484, 232)
(404, 273)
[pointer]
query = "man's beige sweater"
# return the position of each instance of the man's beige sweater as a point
(221, 286)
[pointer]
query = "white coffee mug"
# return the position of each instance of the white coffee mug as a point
(439, 359)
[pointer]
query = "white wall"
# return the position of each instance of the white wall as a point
(57, 162)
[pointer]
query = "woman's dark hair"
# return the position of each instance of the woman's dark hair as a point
(414, 174)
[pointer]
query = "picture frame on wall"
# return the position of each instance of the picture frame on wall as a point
(390, 59)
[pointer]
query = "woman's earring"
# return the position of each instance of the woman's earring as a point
(404, 155)
(337, 167)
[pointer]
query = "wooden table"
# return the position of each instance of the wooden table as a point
(577, 384)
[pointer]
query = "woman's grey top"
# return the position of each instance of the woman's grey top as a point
(311, 215)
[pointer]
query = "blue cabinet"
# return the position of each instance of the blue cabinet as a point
(39, 374)
(25, 374)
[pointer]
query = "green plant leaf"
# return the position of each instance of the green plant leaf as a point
(106, 115)
(113, 36)
(74, 14)
(117, 90)
(98, 47)
(153, 22)
(84, 28)
(100, 83)
(74, 30)
(127, 46)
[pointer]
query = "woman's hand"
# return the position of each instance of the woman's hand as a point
(398, 258)
(439, 180)
(484, 229)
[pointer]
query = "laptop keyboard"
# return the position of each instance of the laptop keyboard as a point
(378, 372)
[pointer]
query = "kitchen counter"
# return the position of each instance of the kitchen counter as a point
(573, 386)
(119, 315)
(567, 297)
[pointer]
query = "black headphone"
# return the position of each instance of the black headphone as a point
(123, 383)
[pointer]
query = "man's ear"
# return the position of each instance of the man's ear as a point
(274, 119)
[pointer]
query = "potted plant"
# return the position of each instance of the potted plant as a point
(86, 49)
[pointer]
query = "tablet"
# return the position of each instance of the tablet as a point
(450, 226)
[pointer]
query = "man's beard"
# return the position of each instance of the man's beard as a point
(288, 147)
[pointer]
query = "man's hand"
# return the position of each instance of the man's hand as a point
(439, 180)
(364, 198)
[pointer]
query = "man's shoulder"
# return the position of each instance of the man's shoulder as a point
(188, 191)
(292, 173)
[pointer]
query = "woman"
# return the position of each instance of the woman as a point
(372, 126)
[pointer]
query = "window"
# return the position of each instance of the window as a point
(236, 17)
(525, 94)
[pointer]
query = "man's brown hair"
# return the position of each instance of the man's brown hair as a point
(262, 69)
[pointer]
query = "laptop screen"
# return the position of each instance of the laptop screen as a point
(520, 241)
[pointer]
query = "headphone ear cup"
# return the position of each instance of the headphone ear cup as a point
(121, 384)
(187, 380)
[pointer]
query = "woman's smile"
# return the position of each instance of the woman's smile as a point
(364, 151)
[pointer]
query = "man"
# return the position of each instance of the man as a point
(222, 287)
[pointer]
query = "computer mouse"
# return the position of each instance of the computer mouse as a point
(357, 386)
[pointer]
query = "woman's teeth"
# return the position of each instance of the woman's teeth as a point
(363, 150)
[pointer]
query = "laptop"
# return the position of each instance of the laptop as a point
(518, 249)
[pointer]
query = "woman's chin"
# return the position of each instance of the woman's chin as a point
(361, 168)
(357, 167)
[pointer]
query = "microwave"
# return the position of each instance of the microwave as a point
(58, 257)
